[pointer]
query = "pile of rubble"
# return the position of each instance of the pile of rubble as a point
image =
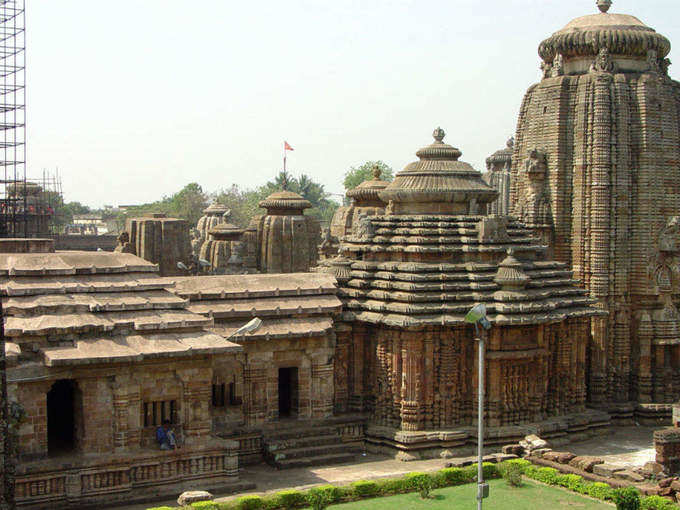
(649, 479)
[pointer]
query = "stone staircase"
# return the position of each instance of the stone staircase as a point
(305, 446)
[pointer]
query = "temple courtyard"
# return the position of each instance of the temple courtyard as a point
(626, 446)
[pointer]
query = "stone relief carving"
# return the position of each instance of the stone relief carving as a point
(124, 245)
(546, 69)
(603, 63)
(364, 227)
(663, 266)
(536, 166)
(557, 66)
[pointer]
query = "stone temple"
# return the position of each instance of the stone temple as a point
(376, 355)
(595, 173)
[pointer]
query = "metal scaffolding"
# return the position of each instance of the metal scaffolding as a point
(14, 189)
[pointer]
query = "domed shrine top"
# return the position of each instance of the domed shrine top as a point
(437, 184)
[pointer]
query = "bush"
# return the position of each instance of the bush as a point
(321, 497)
(249, 503)
(289, 499)
(490, 471)
(365, 489)
(571, 482)
(161, 508)
(626, 498)
(455, 476)
(512, 474)
(523, 463)
(390, 486)
(205, 505)
(420, 482)
(547, 475)
(656, 503)
(599, 490)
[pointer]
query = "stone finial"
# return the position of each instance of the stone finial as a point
(604, 5)
(376, 172)
(510, 143)
(438, 134)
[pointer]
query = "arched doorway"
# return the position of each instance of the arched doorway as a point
(61, 416)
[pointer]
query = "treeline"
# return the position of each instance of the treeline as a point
(190, 201)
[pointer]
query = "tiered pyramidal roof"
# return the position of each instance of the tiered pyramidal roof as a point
(431, 257)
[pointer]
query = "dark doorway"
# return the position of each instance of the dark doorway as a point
(288, 391)
(61, 422)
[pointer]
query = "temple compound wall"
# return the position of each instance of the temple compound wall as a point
(595, 174)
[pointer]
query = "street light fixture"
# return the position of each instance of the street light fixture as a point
(477, 316)
(250, 327)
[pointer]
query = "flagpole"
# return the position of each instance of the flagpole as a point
(284, 157)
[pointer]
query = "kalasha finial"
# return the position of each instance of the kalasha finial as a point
(604, 5)
(376, 171)
(439, 134)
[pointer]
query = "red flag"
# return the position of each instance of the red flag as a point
(287, 147)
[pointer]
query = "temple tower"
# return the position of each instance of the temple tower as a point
(596, 171)
(284, 240)
(498, 167)
(408, 276)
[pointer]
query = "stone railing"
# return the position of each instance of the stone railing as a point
(135, 477)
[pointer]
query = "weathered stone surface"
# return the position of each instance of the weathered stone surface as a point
(284, 240)
(606, 470)
(514, 449)
(188, 497)
(498, 167)
(585, 463)
(559, 457)
(628, 475)
(582, 185)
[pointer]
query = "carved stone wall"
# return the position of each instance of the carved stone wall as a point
(607, 123)
(426, 379)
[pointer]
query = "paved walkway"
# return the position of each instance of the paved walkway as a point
(624, 446)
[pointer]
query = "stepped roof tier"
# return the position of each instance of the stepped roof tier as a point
(291, 305)
(76, 308)
(429, 269)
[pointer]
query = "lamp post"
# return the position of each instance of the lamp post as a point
(477, 316)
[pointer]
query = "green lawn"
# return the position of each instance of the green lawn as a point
(531, 496)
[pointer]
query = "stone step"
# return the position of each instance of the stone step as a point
(310, 452)
(336, 458)
(280, 444)
(295, 433)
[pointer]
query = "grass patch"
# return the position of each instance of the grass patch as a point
(531, 496)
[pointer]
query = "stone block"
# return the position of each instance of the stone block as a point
(628, 475)
(514, 449)
(606, 470)
(188, 497)
(666, 491)
(666, 482)
(675, 485)
(585, 463)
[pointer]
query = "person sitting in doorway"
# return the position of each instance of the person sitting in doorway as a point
(165, 436)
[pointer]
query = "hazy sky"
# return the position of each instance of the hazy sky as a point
(133, 99)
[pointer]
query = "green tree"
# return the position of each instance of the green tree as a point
(358, 174)
(187, 204)
(322, 208)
